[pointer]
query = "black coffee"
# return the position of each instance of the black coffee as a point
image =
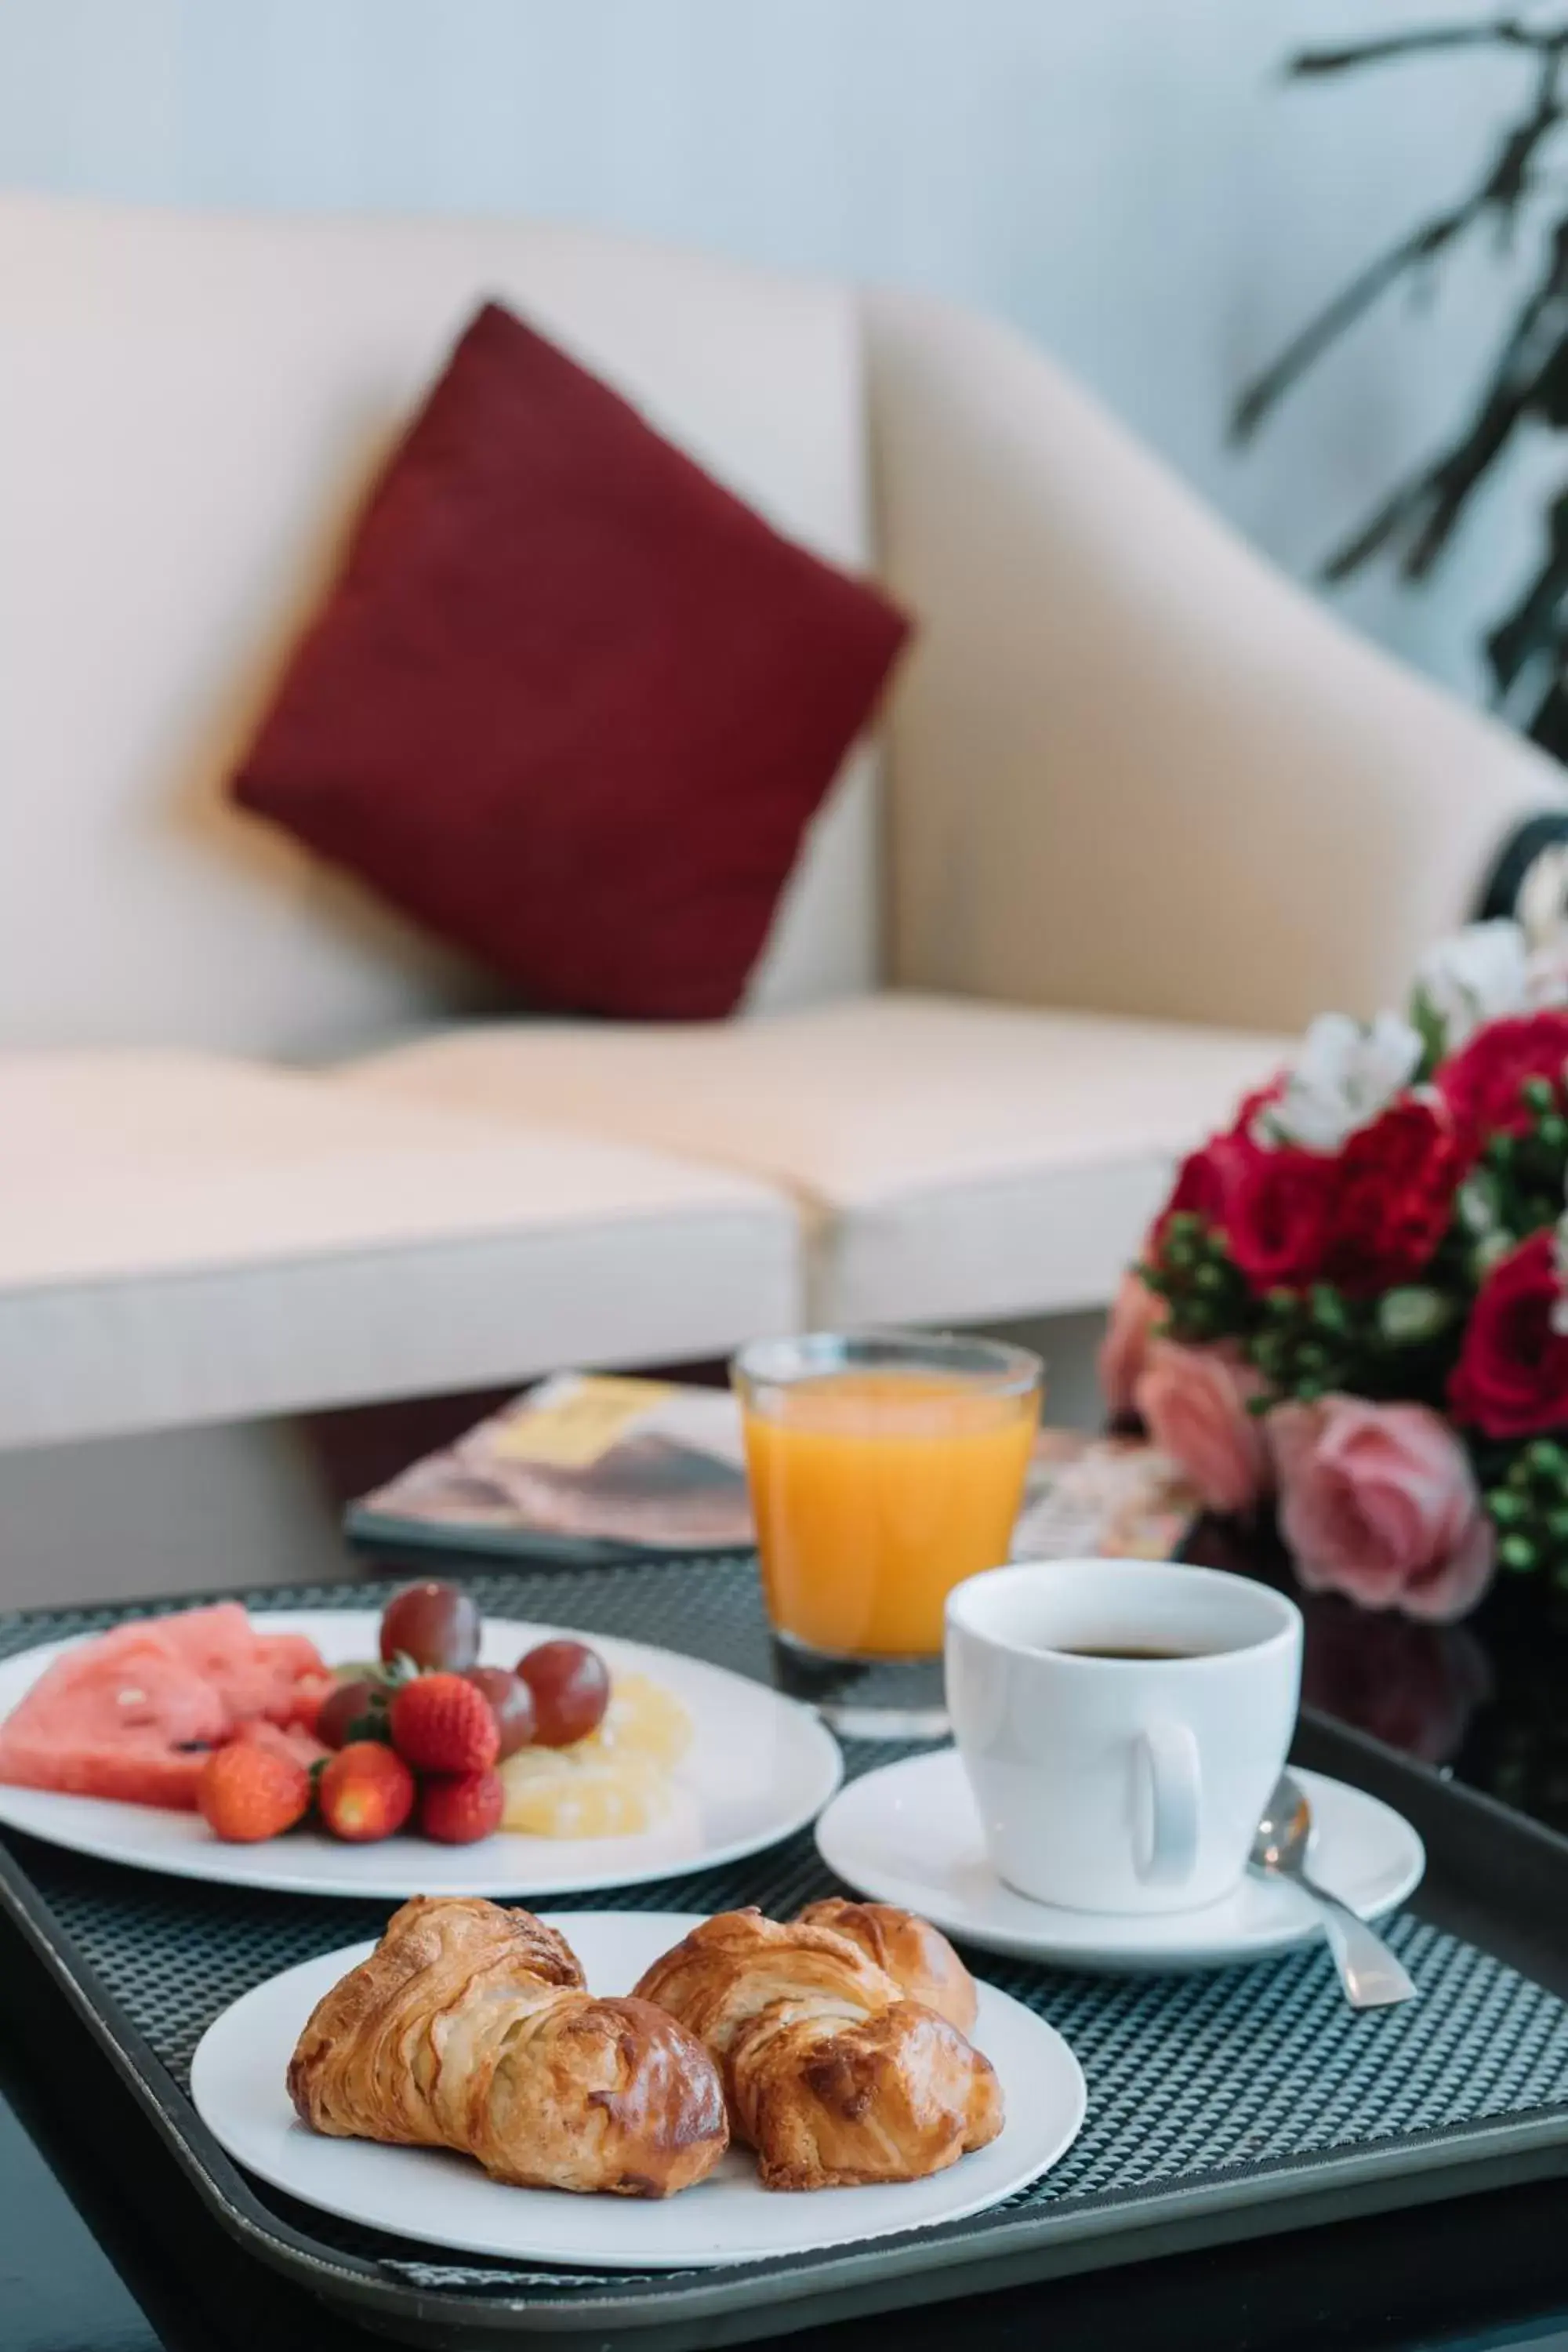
(1086, 1650)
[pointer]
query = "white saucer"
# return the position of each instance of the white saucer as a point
(236, 2082)
(909, 1834)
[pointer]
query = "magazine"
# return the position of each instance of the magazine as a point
(589, 1466)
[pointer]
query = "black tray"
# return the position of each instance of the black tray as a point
(1221, 2106)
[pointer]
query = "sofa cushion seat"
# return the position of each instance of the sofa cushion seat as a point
(187, 1238)
(953, 1159)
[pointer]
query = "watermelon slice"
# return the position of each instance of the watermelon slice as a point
(290, 1740)
(132, 1715)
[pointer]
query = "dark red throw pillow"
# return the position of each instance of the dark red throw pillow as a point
(570, 704)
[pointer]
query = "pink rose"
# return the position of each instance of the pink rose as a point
(1380, 1501)
(1193, 1401)
(1124, 1349)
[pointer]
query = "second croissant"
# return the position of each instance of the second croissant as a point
(832, 2074)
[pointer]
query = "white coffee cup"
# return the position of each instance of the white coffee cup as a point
(1121, 1783)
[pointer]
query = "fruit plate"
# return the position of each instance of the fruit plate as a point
(759, 1768)
(236, 2082)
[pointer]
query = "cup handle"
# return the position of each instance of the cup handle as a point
(1175, 1783)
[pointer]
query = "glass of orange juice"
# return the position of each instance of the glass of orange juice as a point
(884, 1467)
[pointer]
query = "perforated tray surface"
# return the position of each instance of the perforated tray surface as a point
(1245, 2099)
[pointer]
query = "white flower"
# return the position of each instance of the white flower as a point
(1541, 898)
(1344, 1076)
(1546, 981)
(1478, 975)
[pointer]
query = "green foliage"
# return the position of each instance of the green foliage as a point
(1523, 1176)
(1204, 1296)
(1528, 1501)
(1320, 1342)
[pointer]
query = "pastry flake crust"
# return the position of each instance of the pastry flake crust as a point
(470, 2028)
(914, 1953)
(831, 2074)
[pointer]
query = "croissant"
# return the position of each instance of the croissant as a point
(470, 2028)
(831, 2074)
(917, 1956)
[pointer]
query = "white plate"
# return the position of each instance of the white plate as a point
(910, 1835)
(759, 1768)
(236, 2081)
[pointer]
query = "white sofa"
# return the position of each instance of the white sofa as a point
(1138, 808)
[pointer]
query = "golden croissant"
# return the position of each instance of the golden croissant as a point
(831, 2074)
(917, 1956)
(468, 2028)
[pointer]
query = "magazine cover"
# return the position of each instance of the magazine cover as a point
(592, 1465)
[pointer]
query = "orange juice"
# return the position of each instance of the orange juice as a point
(875, 1492)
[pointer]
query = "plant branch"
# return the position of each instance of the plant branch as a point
(1501, 191)
(1528, 378)
(1535, 624)
(1505, 32)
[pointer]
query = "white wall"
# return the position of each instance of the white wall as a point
(1125, 178)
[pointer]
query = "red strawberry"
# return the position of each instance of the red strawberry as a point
(247, 1792)
(442, 1724)
(459, 1808)
(366, 1792)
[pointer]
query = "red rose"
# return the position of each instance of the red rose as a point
(1209, 1179)
(1483, 1085)
(1199, 1191)
(1277, 1215)
(1259, 1100)
(1512, 1379)
(1207, 1176)
(1364, 1218)
(1394, 1196)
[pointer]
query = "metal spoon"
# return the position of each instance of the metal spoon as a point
(1371, 1975)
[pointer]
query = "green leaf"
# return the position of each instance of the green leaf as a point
(1488, 1253)
(1432, 1030)
(1328, 1311)
(1412, 1314)
(1478, 1204)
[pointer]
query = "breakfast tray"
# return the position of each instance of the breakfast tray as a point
(1220, 2105)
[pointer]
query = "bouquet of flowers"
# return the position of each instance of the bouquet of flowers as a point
(1356, 1300)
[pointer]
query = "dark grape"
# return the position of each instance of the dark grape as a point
(434, 1624)
(571, 1687)
(350, 1703)
(511, 1703)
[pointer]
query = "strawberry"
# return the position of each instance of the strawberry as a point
(249, 1791)
(366, 1792)
(459, 1808)
(442, 1724)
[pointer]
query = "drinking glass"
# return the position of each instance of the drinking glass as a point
(884, 1467)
